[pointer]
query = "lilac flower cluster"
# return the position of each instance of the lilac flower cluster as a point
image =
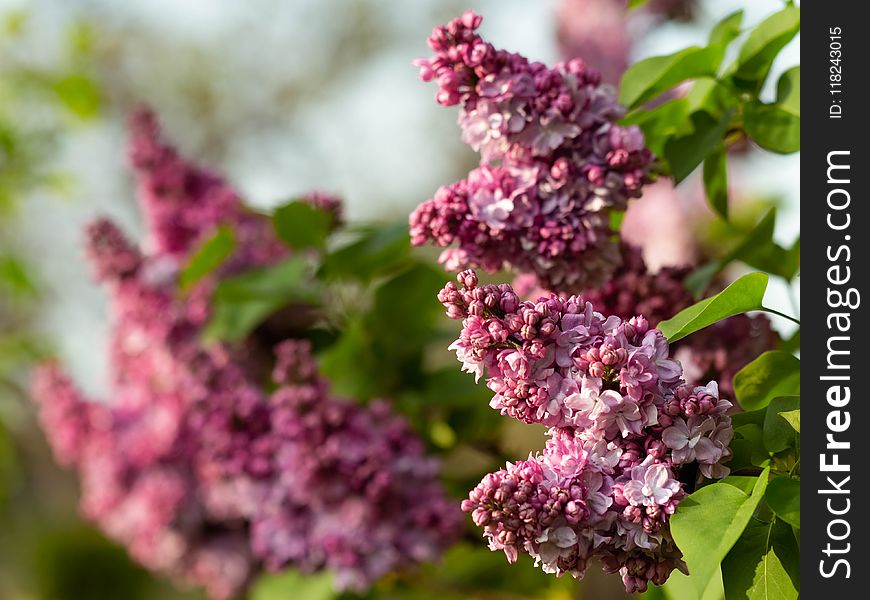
(193, 466)
(349, 484)
(626, 431)
(554, 164)
(714, 353)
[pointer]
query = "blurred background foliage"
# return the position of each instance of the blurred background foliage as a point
(283, 97)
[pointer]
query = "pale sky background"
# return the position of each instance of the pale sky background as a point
(299, 94)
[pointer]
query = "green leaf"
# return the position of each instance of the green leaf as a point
(377, 251)
(14, 278)
(79, 94)
(616, 219)
(712, 97)
(772, 374)
(728, 29)
(743, 483)
(709, 522)
(661, 123)
(684, 153)
(208, 257)
(301, 225)
(786, 542)
(291, 584)
(385, 338)
(632, 4)
(680, 587)
(743, 295)
(784, 499)
(239, 304)
(748, 448)
(777, 126)
(793, 417)
(763, 45)
(716, 181)
(778, 434)
(753, 569)
(648, 78)
(772, 127)
(749, 417)
(788, 90)
(757, 249)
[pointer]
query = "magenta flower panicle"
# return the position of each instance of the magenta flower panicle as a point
(623, 426)
(554, 164)
(192, 465)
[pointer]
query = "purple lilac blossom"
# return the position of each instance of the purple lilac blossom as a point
(623, 426)
(714, 353)
(193, 466)
(554, 164)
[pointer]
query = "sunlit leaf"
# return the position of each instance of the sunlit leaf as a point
(763, 45)
(778, 433)
(743, 295)
(292, 584)
(709, 522)
(793, 417)
(79, 94)
(754, 570)
(772, 374)
(649, 77)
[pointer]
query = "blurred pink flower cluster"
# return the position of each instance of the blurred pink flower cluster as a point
(602, 31)
(554, 164)
(193, 465)
(626, 431)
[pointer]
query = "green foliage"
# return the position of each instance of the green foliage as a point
(778, 433)
(384, 337)
(207, 258)
(716, 181)
(378, 250)
(793, 417)
(748, 448)
(648, 78)
(661, 123)
(754, 569)
(757, 249)
(241, 303)
(291, 584)
(76, 562)
(777, 126)
(709, 522)
(743, 295)
(763, 45)
(301, 225)
(784, 499)
(772, 374)
(78, 93)
(685, 153)
(723, 106)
